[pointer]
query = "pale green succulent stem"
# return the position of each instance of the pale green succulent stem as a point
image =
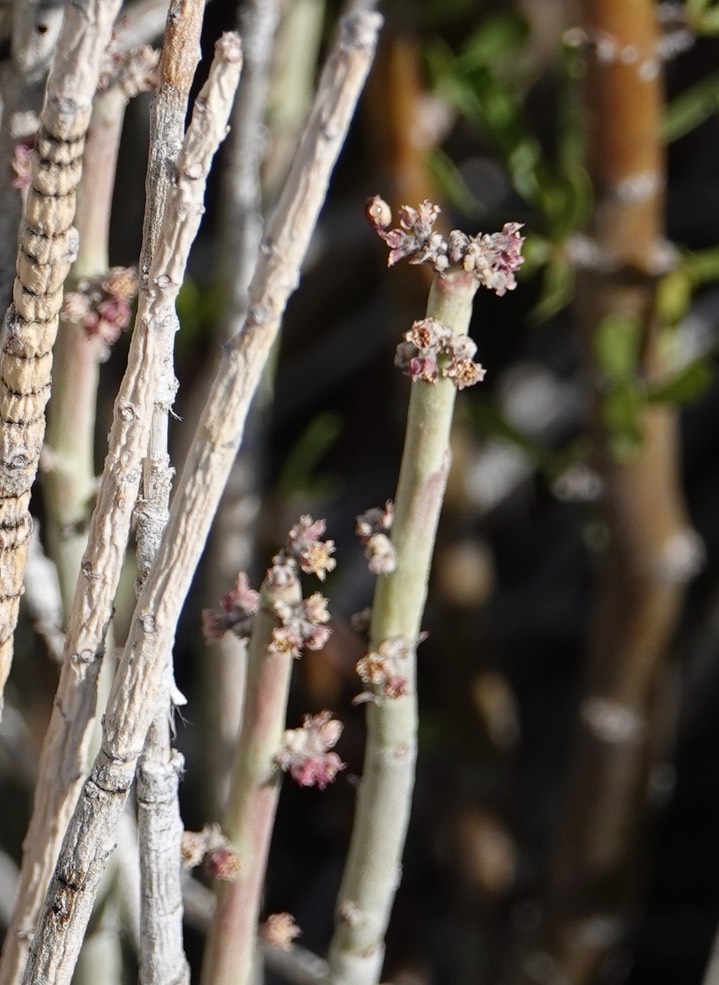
(384, 797)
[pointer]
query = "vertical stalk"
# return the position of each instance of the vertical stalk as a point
(385, 793)
(47, 248)
(254, 791)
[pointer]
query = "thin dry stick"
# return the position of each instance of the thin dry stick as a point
(35, 29)
(62, 926)
(69, 479)
(47, 249)
(162, 957)
(90, 835)
(64, 756)
(229, 955)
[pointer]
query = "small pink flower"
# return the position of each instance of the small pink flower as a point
(235, 613)
(305, 752)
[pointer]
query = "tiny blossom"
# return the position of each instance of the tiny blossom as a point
(463, 372)
(235, 614)
(102, 305)
(302, 626)
(378, 549)
(385, 669)
(317, 560)
(223, 864)
(211, 848)
(306, 754)
(280, 930)
(430, 351)
(360, 621)
(312, 554)
(494, 258)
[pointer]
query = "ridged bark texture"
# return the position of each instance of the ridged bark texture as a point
(47, 249)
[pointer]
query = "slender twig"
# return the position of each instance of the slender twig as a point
(231, 546)
(47, 248)
(69, 479)
(373, 865)
(65, 749)
(162, 958)
(254, 791)
(132, 703)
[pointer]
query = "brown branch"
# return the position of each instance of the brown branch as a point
(595, 870)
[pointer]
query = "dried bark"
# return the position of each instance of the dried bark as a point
(47, 249)
(133, 701)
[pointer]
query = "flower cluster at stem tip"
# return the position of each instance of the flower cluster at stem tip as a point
(493, 258)
(300, 625)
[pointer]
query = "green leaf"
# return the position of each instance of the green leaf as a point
(500, 35)
(683, 387)
(674, 295)
(558, 282)
(616, 347)
(692, 107)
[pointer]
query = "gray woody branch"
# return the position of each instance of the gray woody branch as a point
(132, 703)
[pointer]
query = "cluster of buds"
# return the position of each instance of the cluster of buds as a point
(493, 258)
(302, 625)
(211, 849)
(384, 670)
(133, 71)
(103, 305)
(235, 614)
(280, 930)
(306, 549)
(371, 528)
(306, 752)
(431, 350)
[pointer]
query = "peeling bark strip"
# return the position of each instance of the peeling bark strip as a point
(47, 249)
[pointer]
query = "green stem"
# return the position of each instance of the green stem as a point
(385, 793)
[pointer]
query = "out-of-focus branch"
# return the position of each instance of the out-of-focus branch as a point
(232, 542)
(594, 872)
(133, 699)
